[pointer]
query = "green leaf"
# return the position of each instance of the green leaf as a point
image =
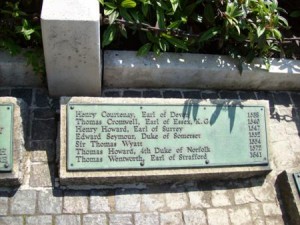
(128, 4)
(112, 17)
(110, 5)
(175, 24)
(176, 42)
(109, 35)
(282, 19)
(260, 31)
(175, 4)
(107, 12)
(209, 34)
(145, 9)
(163, 44)
(123, 30)
(160, 18)
(101, 2)
(144, 49)
(277, 33)
(125, 14)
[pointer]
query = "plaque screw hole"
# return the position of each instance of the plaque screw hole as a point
(141, 107)
(142, 163)
(72, 107)
(261, 109)
(6, 165)
(8, 108)
(204, 108)
(72, 164)
(265, 158)
(298, 175)
(206, 161)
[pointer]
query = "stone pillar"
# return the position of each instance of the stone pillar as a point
(71, 39)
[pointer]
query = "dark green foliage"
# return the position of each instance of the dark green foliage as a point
(20, 31)
(243, 29)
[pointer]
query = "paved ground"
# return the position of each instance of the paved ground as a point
(40, 200)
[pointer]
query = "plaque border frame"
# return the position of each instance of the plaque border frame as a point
(73, 179)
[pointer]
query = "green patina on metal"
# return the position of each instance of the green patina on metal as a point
(122, 136)
(297, 181)
(6, 137)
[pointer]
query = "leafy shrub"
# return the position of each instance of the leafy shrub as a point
(20, 29)
(243, 29)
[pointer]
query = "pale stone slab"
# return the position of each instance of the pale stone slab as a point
(92, 177)
(15, 177)
(123, 69)
(71, 39)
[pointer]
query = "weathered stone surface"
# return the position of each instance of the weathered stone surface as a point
(274, 221)
(153, 202)
(75, 202)
(39, 220)
(199, 199)
(271, 209)
(92, 219)
(120, 219)
(71, 40)
(99, 202)
(11, 220)
(220, 198)
(146, 219)
(20, 113)
(23, 202)
(290, 159)
(50, 201)
(194, 217)
(41, 175)
(3, 204)
(177, 200)
(171, 218)
(243, 196)
(128, 201)
(67, 219)
(240, 216)
(217, 217)
(257, 213)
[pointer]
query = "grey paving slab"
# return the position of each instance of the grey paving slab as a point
(23, 202)
(94, 219)
(39, 220)
(50, 201)
(67, 220)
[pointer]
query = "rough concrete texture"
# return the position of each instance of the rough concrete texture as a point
(71, 39)
(253, 200)
(19, 117)
(68, 177)
(123, 69)
(15, 72)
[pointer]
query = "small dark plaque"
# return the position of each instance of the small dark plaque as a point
(297, 181)
(6, 137)
(145, 136)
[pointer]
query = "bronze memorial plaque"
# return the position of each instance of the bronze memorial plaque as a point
(6, 137)
(150, 136)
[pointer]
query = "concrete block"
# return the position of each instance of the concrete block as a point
(71, 39)
(15, 176)
(123, 69)
(15, 72)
